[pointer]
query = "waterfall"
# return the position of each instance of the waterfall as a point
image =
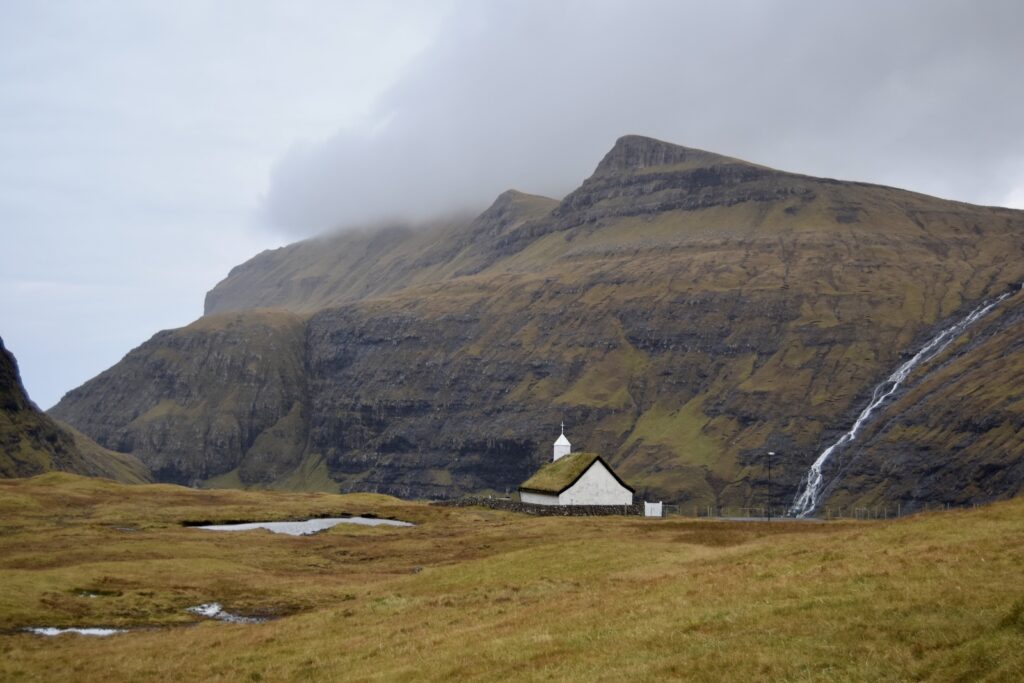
(807, 497)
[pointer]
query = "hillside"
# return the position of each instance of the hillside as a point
(32, 443)
(684, 312)
(959, 427)
(932, 597)
(326, 271)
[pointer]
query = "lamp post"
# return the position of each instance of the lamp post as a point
(770, 454)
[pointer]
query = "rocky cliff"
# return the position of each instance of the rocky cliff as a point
(32, 443)
(684, 312)
(956, 434)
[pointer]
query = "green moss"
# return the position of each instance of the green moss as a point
(227, 480)
(680, 430)
(310, 475)
(605, 383)
(555, 477)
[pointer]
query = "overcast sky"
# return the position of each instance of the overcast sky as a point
(148, 147)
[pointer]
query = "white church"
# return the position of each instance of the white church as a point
(575, 479)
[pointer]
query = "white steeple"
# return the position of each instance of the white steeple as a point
(562, 445)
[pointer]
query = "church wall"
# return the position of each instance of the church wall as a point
(538, 498)
(545, 510)
(597, 486)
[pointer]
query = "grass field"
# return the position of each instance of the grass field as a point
(478, 594)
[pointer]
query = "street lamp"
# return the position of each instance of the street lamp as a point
(770, 454)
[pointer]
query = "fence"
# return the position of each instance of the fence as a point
(724, 512)
(826, 512)
(888, 511)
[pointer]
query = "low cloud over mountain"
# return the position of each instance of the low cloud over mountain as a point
(520, 95)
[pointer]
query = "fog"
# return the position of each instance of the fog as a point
(147, 147)
(920, 94)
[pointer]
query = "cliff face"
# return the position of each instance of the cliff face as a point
(32, 443)
(956, 434)
(684, 313)
(205, 399)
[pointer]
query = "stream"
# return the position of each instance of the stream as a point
(807, 497)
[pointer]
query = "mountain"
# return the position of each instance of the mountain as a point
(683, 311)
(322, 272)
(958, 429)
(32, 443)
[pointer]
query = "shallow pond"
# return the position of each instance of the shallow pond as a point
(213, 610)
(310, 526)
(51, 631)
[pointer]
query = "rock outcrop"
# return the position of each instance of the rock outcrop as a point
(32, 443)
(208, 398)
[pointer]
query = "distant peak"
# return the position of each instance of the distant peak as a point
(513, 195)
(516, 201)
(509, 196)
(636, 151)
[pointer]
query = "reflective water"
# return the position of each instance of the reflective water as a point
(213, 610)
(98, 632)
(310, 526)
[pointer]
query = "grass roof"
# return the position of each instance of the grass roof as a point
(557, 476)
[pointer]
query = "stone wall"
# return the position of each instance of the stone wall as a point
(546, 510)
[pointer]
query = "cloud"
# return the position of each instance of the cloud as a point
(135, 141)
(530, 95)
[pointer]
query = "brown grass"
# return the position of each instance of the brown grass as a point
(483, 595)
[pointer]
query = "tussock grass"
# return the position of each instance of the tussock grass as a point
(478, 594)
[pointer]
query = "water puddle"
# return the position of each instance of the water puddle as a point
(213, 610)
(310, 526)
(96, 593)
(97, 632)
(210, 610)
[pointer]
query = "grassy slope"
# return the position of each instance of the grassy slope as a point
(35, 444)
(31, 442)
(235, 380)
(472, 594)
(97, 461)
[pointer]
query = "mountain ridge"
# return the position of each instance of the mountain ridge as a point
(338, 268)
(32, 443)
(637, 152)
(684, 318)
